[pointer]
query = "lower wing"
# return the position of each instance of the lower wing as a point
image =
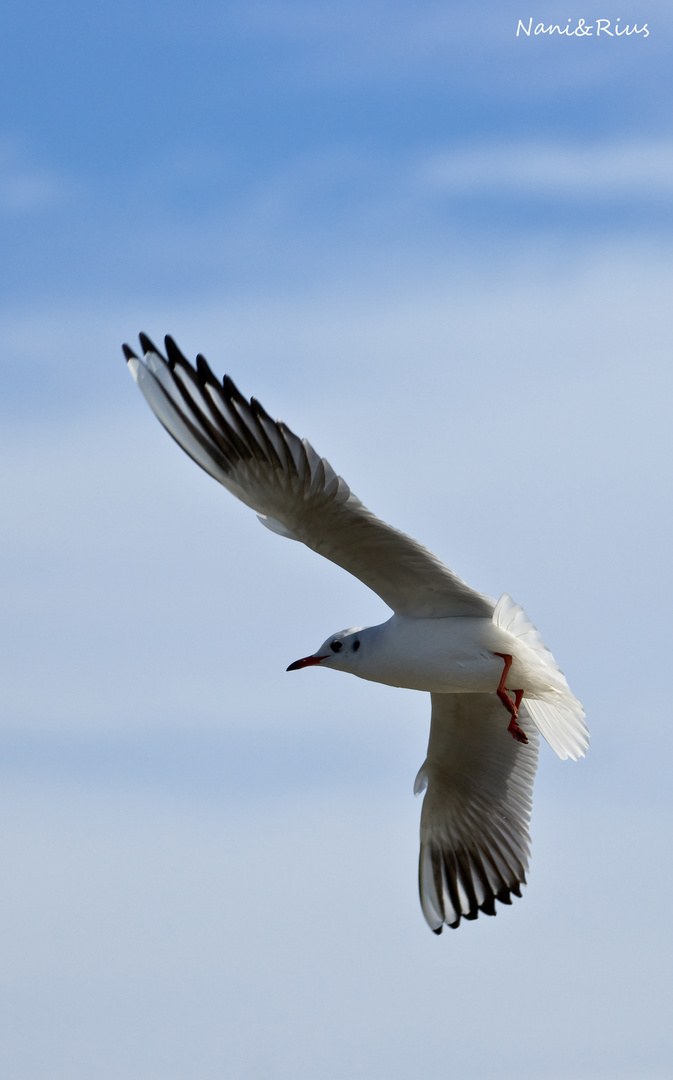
(474, 823)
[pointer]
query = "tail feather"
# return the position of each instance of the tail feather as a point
(559, 717)
(561, 725)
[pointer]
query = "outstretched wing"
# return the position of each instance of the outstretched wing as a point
(474, 823)
(294, 491)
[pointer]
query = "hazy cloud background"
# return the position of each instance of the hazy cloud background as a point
(445, 255)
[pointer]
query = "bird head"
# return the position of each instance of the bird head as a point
(340, 651)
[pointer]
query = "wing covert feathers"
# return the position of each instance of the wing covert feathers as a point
(474, 822)
(294, 491)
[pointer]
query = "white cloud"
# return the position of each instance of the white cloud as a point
(20, 194)
(24, 187)
(154, 935)
(607, 170)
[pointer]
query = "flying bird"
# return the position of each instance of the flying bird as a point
(493, 683)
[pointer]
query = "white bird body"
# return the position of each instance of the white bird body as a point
(444, 656)
(444, 638)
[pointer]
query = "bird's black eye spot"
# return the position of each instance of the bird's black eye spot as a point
(356, 646)
(336, 646)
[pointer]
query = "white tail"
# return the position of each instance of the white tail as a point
(558, 716)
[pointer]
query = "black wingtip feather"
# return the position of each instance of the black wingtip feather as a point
(259, 410)
(128, 353)
(147, 345)
(204, 371)
(437, 930)
(231, 390)
(174, 354)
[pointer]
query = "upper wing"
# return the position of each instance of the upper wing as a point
(294, 491)
(474, 824)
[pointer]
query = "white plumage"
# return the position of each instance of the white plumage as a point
(470, 653)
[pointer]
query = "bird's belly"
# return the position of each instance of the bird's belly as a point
(446, 656)
(477, 673)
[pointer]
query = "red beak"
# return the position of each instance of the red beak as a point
(306, 661)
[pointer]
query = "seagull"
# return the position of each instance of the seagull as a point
(493, 683)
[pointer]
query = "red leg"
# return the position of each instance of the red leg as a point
(515, 731)
(512, 706)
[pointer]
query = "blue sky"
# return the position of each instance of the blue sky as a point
(445, 255)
